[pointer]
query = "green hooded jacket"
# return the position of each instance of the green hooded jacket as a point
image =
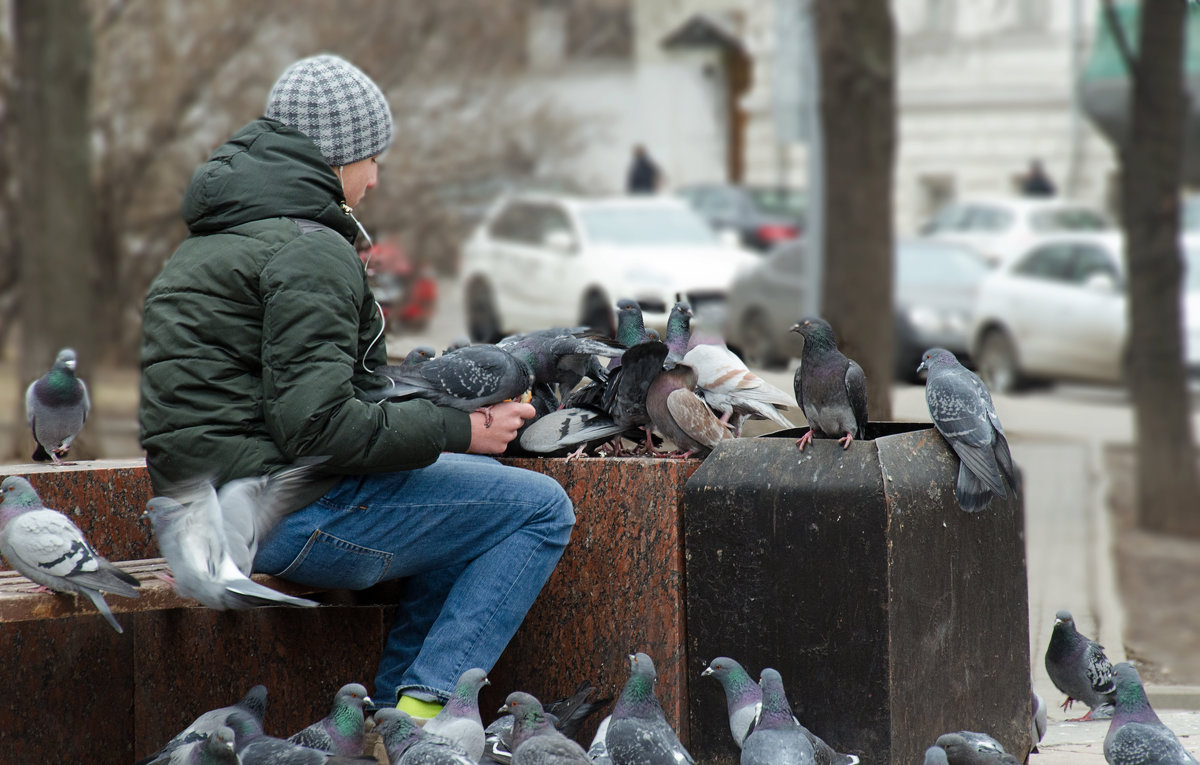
(259, 335)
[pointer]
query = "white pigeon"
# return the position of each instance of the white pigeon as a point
(46, 547)
(191, 536)
(251, 507)
(729, 387)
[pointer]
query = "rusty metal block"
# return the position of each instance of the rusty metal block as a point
(892, 615)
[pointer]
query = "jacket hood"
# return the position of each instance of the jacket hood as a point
(266, 170)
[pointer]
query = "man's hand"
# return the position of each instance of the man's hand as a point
(494, 427)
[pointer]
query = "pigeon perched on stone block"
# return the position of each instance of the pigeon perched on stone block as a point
(56, 406)
(830, 388)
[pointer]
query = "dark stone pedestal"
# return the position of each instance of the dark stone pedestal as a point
(892, 615)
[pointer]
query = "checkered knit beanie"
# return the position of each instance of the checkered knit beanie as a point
(336, 105)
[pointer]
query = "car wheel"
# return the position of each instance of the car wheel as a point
(997, 362)
(597, 313)
(483, 320)
(758, 343)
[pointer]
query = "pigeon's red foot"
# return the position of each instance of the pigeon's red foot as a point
(846, 440)
(38, 588)
(804, 440)
(576, 454)
(1066, 704)
(163, 575)
(1086, 718)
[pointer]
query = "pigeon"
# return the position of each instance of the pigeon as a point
(418, 355)
(830, 388)
(1136, 736)
(935, 755)
(682, 416)
(624, 398)
(679, 333)
(962, 750)
(44, 545)
(251, 507)
(342, 730)
(469, 378)
(631, 326)
(732, 390)
(639, 733)
(561, 356)
(598, 750)
(777, 739)
(252, 706)
(462, 341)
(191, 536)
(407, 744)
(459, 721)
(743, 696)
(962, 411)
(535, 740)
(1037, 725)
(564, 429)
(567, 715)
(1078, 667)
(216, 749)
(260, 749)
(56, 405)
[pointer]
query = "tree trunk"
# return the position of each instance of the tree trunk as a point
(51, 161)
(1168, 494)
(856, 41)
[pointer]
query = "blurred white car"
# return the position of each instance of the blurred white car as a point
(1000, 228)
(1058, 312)
(540, 260)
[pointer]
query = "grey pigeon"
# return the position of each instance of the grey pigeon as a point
(961, 408)
(44, 545)
(631, 325)
(830, 389)
(261, 749)
(191, 536)
(639, 733)
(459, 719)
(962, 750)
(215, 749)
(565, 429)
(1037, 726)
(469, 378)
(567, 715)
(418, 355)
(777, 739)
(407, 744)
(56, 406)
(743, 696)
(679, 333)
(1136, 736)
(561, 356)
(729, 387)
(682, 416)
(342, 730)
(1078, 667)
(252, 506)
(624, 395)
(462, 341)
(598, 750)
(535, 739)
(935, 755)
(252, 706)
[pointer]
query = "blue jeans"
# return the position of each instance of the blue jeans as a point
(474, 541)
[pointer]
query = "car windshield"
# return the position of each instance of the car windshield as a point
(927, 263)
(646, 226)
(788, 203)
(1068, 219)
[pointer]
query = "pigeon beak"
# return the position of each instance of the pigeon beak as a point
(504, 710)
(367, 701)
(922, 367)
(486, 681)
(707, 671)
(795, 328)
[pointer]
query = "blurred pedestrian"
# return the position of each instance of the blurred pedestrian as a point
(1036, 182)
(259, 340)
(644, 176)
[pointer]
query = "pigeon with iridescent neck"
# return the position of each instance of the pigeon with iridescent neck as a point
(56, 406)
(1136, 735)
(459, 720)
(535, 740)
(342, 730)
(639, 733)
(777, 739)
(743, 696)
(46, 547)
(251, 709)
(408, 744)
(831, 389)
(971, 748)
(216, 749)
(679, 334)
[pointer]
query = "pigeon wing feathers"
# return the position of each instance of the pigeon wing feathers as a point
(856, 394)
(48, 543)
(1099, 669)
(694, 418)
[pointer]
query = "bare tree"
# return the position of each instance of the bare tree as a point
(51, 164)
(1168, 493)
(856, 51)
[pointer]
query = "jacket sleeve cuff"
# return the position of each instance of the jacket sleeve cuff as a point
(458, 429)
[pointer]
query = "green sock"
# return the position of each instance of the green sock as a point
(418, 708)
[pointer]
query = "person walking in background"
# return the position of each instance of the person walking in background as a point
(1036, 182)
(644, 175)
(259, 340)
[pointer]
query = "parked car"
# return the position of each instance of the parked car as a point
(406, 292)
(1058, 312)
(540, 260)
(762, 216)
(1000, 228)
(934, 291)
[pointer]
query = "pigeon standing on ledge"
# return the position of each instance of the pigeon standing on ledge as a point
(46, 547)
(56, 405)
(830, 388)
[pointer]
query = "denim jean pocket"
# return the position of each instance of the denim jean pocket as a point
(328, 561)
